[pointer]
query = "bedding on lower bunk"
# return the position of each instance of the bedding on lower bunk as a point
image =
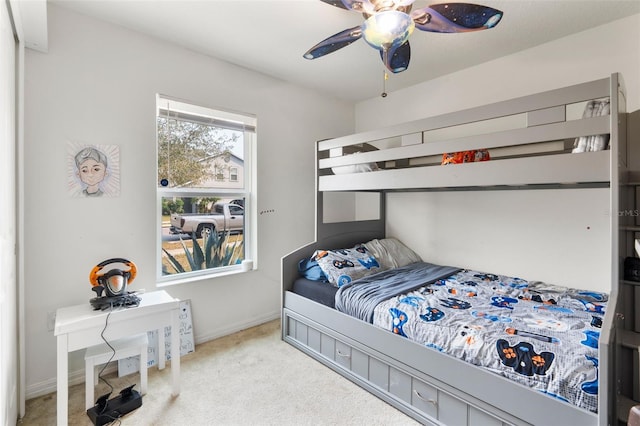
(540, 335)
(318, 292)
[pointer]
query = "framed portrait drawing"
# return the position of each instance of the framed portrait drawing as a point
(93, 170)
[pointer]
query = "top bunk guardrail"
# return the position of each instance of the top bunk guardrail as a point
(531, 142)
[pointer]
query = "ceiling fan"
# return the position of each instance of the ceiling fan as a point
(389, 23)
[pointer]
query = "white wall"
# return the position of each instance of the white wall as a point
(97, 84)
(560, 237)
(9, 365)
(556, 236)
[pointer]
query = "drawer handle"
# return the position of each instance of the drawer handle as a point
(429, 400)
(342, 354)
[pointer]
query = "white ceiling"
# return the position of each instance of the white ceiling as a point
(271, 36)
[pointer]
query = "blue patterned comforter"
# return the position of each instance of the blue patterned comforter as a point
(540, 335)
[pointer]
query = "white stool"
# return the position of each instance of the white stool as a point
(101, 354)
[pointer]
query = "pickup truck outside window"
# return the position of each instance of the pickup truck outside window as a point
(224, 217)
(204, 191)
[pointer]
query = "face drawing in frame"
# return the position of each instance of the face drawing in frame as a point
(93, 170)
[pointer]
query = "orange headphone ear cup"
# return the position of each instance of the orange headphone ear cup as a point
(94, 277)
(132, 272)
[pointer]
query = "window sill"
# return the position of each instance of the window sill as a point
(245, 266)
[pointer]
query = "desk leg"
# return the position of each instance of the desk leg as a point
(162, 349)
(175, 351)
(63, 380)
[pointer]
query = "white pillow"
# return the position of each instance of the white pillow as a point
(391, 253)
(354, 168)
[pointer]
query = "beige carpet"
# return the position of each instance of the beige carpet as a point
(248, 378)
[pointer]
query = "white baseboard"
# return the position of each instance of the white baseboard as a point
(236, 327)
(50, 385)
(76, 377)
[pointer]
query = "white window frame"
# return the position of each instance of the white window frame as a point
(249, 123)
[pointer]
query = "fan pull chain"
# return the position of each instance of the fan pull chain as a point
(385, 77)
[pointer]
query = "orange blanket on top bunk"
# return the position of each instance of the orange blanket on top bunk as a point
(465, 156)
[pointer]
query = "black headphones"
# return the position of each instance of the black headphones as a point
(114, 281)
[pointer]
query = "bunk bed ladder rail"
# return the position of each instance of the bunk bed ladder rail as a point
(628, 378)
(620, 339)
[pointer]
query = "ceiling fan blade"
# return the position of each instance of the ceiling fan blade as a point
(335, 42)
(397, 60)
(456, 17)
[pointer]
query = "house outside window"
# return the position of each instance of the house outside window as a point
(205, 217)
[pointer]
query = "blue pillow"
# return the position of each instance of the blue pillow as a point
(310, 269)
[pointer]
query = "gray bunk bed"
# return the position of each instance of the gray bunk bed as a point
(432, 387)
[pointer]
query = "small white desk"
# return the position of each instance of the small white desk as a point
(78, 327)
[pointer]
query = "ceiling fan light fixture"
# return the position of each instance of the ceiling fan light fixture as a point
(388, 29)
(389, 23)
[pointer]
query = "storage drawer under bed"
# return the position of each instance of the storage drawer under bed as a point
(415, 397)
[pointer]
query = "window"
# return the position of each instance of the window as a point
(219, 174)
(205, 182)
